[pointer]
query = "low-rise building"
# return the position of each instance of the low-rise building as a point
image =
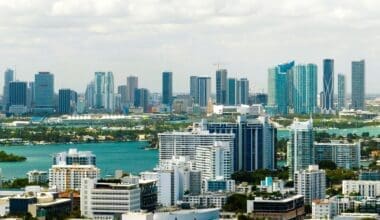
(37, 176)
(174, 214)
(206, 200)
(367, 188)
(292, 207)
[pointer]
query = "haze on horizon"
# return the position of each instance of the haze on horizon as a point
(73, 39)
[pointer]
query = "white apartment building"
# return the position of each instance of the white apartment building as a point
(108, 200)
(311, 183)
(68, 177)
(345, 155)
(367, 188)
(185, 143)
(206, 200)
(329, 208)
(214, 161)
(37, 176)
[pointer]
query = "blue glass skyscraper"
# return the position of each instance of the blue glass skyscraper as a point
(244, 91)
(204, 90)
(305, 88)
(44, 92)
(358, 85)
(328, 85)
(64, 101)
(221, 86)
(17, 93)
(8, 77)
(167, 88)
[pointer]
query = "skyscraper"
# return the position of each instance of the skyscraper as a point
(141, 98)
(221, 86)
(300, 146)
(122, 91)
(358, 85)
(341, 91)
(194, 88)
(311, 183)
(90, 95)
(132, 85)
(109, 96)
(65, 101)
(17, 93)
(328, 85)
(99, 90)
(167, 88)
(30, 95)
(204, 90)
(244, 91)
(8, 77)
(233, 91)
(44, 92)
(305, 88)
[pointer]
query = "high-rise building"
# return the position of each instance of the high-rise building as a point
(221, 86)
(109, 90)
(232, 91)
(108, 200)
(328, 85)
(259, 98)
(74, 157)
(122, 91)
(358, 85)
(344, 155)
(341, 92)
(132, 85)
(142, 98)
(311, 183)
(280, 88)
(90, 95)
(30, 95)
(305, 88)
(214, 161)
(65, 102)
(254, 143)
(300, 146)
(44, 92)
(99, 90)
(244, 91)
(204, 90)
(194, 88)
(17, 93)
(167, 88)
(8, 77)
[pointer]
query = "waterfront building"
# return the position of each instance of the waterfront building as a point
(142, 99)
(8, 77)
(233, 92)
(328, 85)
(207, 200)
(221, 86)
(214, 161)
(122, 91)
(344, 155)
(90, 95)
(30, 95)
(300, 146)
(132, 85)
(311, 183)
(292, 207)
(194, 88)
(366, 188)
(17, 92)
(341, 92)
(305, 88)
(74, 157)
(109, 96)
(101, 200)
(244, 91)
(254, 143)
(167, 88)
(358, 85)
(66, 102)
(174, 214)
(44, 92)
(37, 177)
(204, 90)
(185, 143)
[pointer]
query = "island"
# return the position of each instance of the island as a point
(4, 157)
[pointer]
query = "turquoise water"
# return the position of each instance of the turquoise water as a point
(373, 131)
(128, 156)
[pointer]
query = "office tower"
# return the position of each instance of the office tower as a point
(132, 85)
(185, 143)
(17, 93)
(105, 200)
(65, 101)
(221, 86)
(90, 95)
(311, 183)
(44, 92)
(328, 85)
(8, 77)
(358, 85)
(341, 92)
(109, 90)
(204, 90)
(244, 91)
(214, 161)
(305, 88)
(343, 154)
(30, 95)
(99, 89)
(167, 88)
(194, 88)
(280, 88)
(74, 157)
(232, 91)
(141, 99)
(300, 146)
(122, 91)
(259, 98)
(254, 143)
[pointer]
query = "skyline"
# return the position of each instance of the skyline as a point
(146, 38)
